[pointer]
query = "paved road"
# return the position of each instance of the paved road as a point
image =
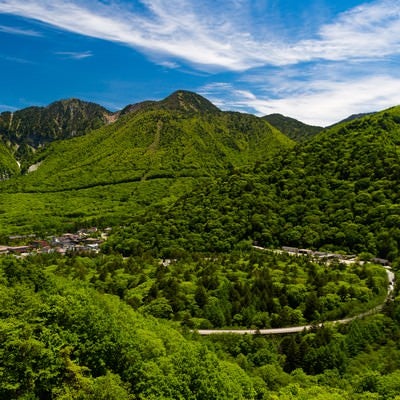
(295, 329)
(274, 331)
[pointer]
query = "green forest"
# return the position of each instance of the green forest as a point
(198, 203)
(95, 327)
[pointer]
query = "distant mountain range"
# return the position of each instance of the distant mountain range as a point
(24, 132)
(354, 116)
(36, 126)
(182, 135)
(30, 129)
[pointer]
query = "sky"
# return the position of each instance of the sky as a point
(318, 61)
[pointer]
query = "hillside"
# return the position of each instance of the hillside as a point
(338, 191)
(181, 136)
(8, 165)
(151, 155)
(62, 339)
(353, 117)
(296, 130)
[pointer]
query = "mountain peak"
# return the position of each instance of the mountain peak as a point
(62, 119)
(188, 101)
(77, 104)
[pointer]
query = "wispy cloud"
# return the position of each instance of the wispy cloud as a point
(169, 64)
(15, 59)
(320, 76)
(210, 34)
(6, 107)
(167, 28)
(319, 103)
(18, 31)
(75, 55)
(368, 31)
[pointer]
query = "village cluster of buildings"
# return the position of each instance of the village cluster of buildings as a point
(85, 240)
(349, 258)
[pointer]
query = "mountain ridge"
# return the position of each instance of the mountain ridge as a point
(293, 128)
(182, 135)
(61, 119)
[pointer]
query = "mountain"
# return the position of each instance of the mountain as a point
(177, 180)
(181, 136)
(181, 100)
(188, 102)
(291, 127)
(246, 182)
(152, 154)
(135, 107)
(26, 130)
(339, 190)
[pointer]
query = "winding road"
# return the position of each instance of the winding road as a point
(296, 329)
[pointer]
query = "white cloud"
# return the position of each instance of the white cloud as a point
(333, 101)
(212, 36)
(18, 31)
(368, 31)
(209, 34)
(321, 103)
(75, 55)
(169, 64)
(167, 31)
(15, 59)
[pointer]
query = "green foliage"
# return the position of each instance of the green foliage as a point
(196, 187)
(8, 165)
(321, 363)
(338, 191)
(102, 206)
(61, 339)
(150, 144)
(152, 154)
(292, 128)
(264, 290)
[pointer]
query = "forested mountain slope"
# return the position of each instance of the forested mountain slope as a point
(8, 165)
(342, 188)
(339, 190)
(151, 154)
(182, 136)
(293, 128)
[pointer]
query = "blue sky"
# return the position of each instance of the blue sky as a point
(317, 60)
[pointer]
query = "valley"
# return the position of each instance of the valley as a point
(195, 201)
